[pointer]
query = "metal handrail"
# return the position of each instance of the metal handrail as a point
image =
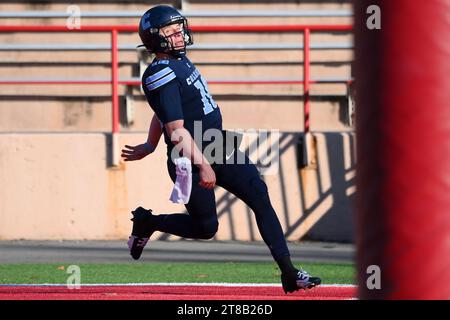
(114, 31)
(188, 13)
(135, 81)
(198, 47)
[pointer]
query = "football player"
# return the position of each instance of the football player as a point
(179, 97)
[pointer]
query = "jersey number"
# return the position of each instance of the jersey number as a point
(208, 103)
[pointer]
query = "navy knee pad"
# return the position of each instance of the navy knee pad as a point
(207, 229)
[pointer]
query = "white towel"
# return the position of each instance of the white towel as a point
(183, 184)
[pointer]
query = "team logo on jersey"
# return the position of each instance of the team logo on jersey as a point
(194, 75)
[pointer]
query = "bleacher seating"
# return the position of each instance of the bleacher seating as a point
(222, 58)
(59, 152)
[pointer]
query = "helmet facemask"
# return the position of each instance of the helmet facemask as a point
(168, 40)
(156, 18)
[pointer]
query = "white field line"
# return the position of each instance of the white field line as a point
(193, 284)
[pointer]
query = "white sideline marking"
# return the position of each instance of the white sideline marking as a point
(193, 284)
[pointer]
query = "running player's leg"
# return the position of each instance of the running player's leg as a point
(244, 181)
(201, 222)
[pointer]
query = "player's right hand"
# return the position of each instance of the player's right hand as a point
(207, 177)
(131, 153)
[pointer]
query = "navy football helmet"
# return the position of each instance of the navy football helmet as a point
(155, 19)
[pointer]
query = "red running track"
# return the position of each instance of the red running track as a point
(172, 292)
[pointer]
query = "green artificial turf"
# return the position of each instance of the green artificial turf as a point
(169, 272)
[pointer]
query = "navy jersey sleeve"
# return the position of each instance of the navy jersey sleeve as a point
(163, 93)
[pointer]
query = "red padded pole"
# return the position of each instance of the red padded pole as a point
(306, 82)
(403, 140)
(114, 81)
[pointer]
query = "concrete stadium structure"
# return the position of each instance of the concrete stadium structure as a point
(55, 140)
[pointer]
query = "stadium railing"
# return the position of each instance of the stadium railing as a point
(198, 47)
(115, 82)
(188, 13)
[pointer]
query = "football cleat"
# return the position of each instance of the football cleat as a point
(143, 228)
(297, 280)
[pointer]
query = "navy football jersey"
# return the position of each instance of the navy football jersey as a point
(175, 90)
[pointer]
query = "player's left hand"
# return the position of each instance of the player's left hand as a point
(131, 153)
